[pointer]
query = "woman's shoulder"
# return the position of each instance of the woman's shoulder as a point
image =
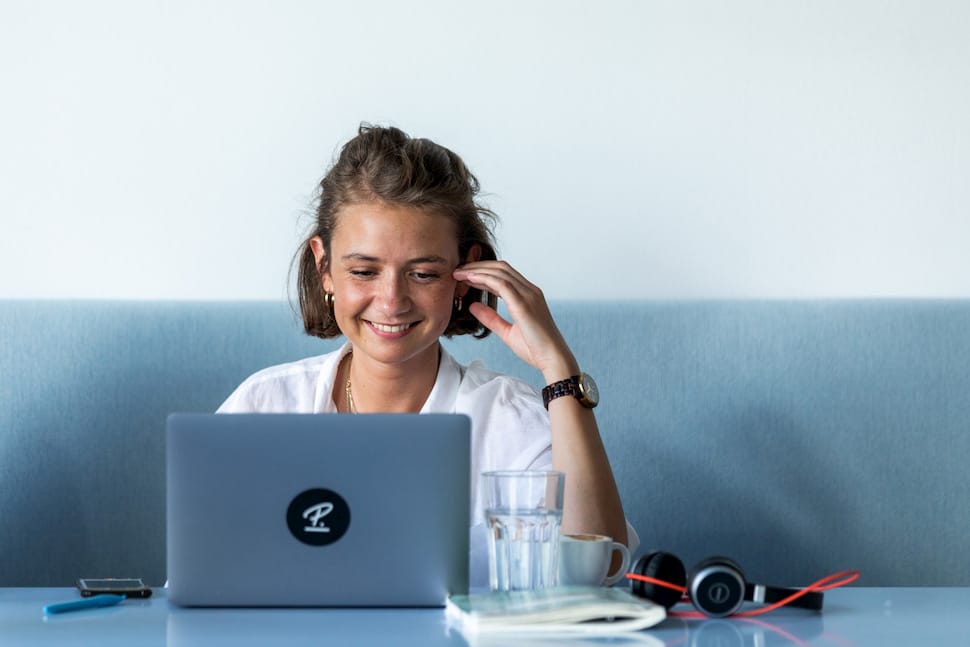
(494, 392)
(289, 370)
(475, 376)
(291, 386)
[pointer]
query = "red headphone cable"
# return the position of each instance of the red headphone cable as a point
(833, 581)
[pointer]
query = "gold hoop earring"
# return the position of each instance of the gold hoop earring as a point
(328, 301)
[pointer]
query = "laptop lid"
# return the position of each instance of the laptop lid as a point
(317, 509)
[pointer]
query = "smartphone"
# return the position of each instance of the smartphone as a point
(131, 587)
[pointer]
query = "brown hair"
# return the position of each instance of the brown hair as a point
(384, 164)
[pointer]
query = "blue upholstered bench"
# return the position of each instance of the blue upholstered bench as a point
(799, 437)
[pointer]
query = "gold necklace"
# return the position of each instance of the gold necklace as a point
(351, 407)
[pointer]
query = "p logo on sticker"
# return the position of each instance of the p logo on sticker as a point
(318, 517)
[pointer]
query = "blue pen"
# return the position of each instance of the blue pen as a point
(103, 600)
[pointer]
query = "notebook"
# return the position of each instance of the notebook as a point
(305, 510)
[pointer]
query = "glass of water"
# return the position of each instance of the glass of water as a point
(523, 510)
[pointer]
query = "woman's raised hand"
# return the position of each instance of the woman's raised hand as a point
(532, 334)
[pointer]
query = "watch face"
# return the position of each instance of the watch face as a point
(587, 386)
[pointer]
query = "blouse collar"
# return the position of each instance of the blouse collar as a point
(441, 399)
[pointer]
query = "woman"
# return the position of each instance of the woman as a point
(400, 255)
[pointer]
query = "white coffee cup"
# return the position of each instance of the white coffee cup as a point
(584, 560)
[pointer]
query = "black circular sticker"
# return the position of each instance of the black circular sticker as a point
(318, 517)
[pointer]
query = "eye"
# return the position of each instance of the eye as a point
(425, 277)
(364, 274)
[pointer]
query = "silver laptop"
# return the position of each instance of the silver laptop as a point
(317, 510)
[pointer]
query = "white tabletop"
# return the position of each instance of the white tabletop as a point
(852, 617)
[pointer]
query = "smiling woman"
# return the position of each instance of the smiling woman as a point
(392, 269)
(402, 254)
(383, 166)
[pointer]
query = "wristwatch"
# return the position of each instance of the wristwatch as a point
(582, 387)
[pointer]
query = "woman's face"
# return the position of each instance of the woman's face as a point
(390, 272)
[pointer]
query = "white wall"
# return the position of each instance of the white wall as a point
(657, 149)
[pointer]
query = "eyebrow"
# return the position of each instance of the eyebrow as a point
(357, 256)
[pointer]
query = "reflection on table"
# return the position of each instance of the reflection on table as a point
(856, 617)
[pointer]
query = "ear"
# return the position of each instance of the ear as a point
(320, 258)
(474, 254)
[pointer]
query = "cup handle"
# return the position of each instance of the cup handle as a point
(624, 567)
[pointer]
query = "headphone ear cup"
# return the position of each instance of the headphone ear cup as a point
(716, 586)
(661, 566)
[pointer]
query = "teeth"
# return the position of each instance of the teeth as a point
(386, 328)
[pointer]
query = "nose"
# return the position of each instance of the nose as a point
(394, 296)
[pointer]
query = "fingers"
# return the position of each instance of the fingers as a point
(532, 333)
(502, 280)
(490, 319)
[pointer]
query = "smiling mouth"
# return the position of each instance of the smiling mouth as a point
(390, 328)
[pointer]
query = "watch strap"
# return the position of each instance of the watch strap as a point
(569, 386)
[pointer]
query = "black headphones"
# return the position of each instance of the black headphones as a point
(715, 586)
